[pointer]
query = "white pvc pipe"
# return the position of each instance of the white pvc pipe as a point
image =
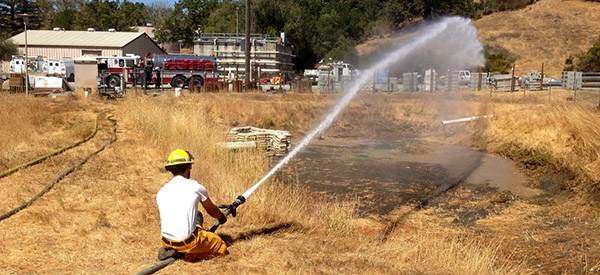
(466, 119)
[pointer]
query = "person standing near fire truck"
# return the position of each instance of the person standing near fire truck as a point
(148, 78)
(157, 82)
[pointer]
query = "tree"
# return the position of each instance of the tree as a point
(223, 18)
(158, 12)
(497, 59)
(62, 5)
(269, 17)
(8, 49)
(589, 61)
(188, 18)
(10, 24)
(104, 15)
(65, 19)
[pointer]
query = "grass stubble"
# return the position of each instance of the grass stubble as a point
(103, 218)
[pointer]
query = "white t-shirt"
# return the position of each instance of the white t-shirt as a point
(178, 203)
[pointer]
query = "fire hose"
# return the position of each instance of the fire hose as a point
(63, 174)
(44, 157)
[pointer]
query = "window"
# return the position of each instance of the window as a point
(91, 52)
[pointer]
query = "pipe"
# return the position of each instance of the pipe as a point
(466, 119)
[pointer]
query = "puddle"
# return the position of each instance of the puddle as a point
(474, 167)
(382, 174)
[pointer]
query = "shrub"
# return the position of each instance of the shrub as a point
(589, 61)
(497, 59)
(7, 49)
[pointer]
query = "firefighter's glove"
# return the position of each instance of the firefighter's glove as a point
(223, 220)
(232, 208)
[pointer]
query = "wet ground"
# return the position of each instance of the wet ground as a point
(385, 174)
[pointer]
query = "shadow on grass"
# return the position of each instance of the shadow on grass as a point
(229, 239)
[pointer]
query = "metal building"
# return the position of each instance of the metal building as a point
(268, 55)
(57, 44)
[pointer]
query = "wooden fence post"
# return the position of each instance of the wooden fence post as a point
(512, 79)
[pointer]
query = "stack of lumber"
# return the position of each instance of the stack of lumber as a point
(274, 142)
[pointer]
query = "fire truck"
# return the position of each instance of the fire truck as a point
(175, 70)
(111, 68)
(180, 70)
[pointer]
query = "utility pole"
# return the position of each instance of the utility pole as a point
(247, 46)
(237, 21)
(24, 17)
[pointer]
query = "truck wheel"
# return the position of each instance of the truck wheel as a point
(71, 78)
(178, 81)
(198, 81)
(113, 81)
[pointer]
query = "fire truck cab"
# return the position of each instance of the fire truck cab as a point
(111, 68)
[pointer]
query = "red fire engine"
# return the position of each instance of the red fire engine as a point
(175, 70)
(180, 70)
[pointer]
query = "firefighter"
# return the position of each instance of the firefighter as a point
(157, 82)
(148, 78)
(178, 206)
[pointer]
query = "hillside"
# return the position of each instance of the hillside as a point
(548, 31)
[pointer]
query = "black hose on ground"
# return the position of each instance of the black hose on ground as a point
(63, 174)
(156, 267)
(44, 157)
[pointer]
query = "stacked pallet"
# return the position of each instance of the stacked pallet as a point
(572, 80)
(17, 82)
(409, 82)
(479, 81)
(452, 81)
(502, 82)
(531, 81)
(274, 142)
(430, 80)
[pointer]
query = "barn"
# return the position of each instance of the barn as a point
(58, 44)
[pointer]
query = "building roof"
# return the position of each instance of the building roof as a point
(76, 38)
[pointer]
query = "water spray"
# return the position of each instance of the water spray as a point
(430, 32)
(454, 39)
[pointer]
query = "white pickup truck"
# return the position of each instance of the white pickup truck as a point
(464, 77)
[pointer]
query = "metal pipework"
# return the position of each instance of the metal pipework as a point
(466, 119)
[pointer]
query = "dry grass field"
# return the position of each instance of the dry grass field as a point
(103, 219)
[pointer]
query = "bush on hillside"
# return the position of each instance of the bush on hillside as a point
(589, 61)
(497, 59)
(492, 6)
(569, 64)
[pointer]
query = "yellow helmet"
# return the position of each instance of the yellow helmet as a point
(179, 156)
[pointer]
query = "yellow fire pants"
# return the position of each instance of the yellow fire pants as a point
(205, 246)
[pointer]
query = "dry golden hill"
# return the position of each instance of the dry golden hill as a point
(548, 31)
